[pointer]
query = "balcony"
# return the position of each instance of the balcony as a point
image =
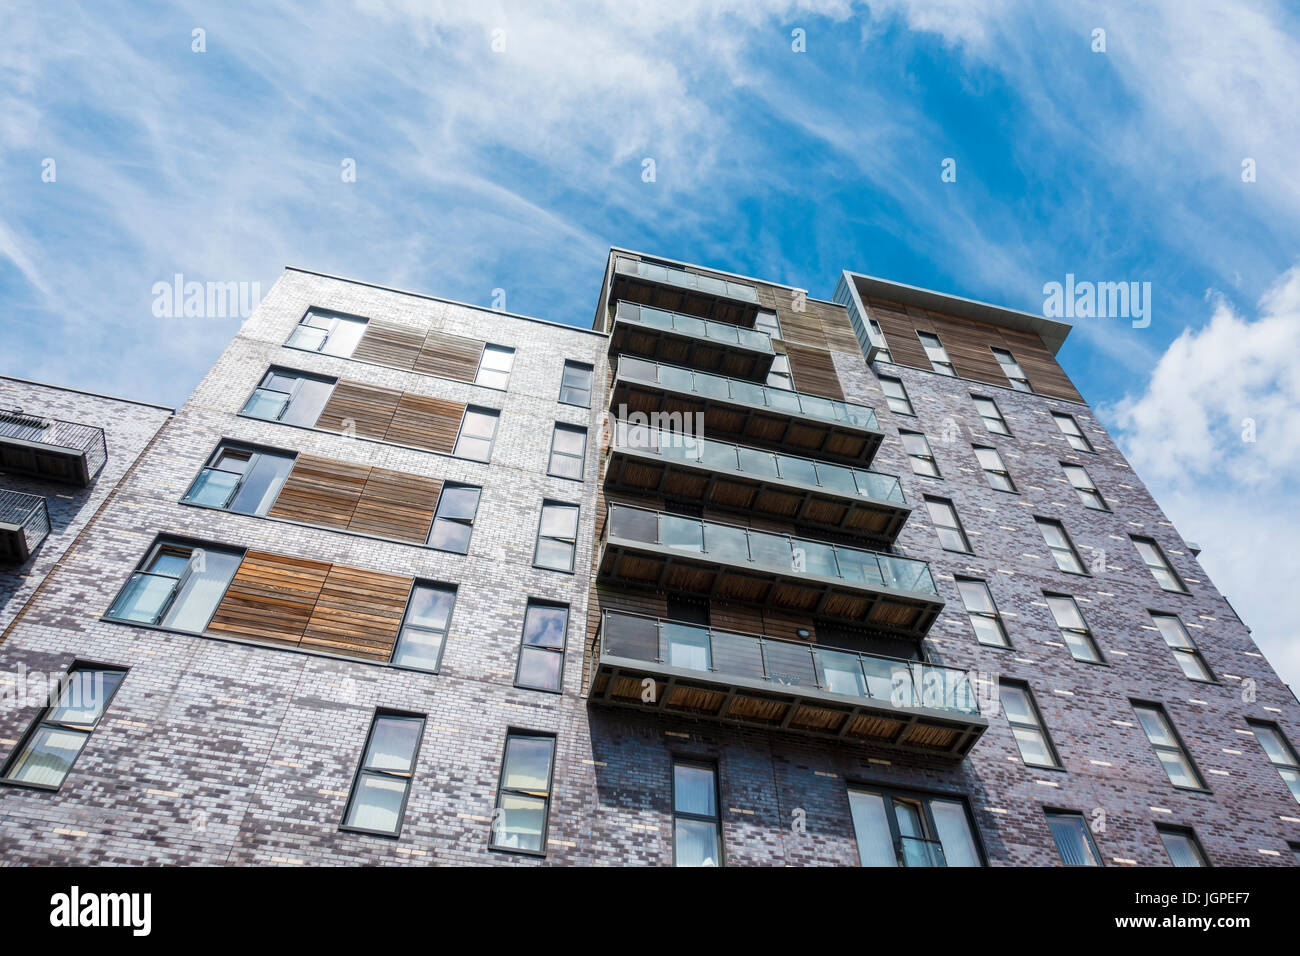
(24, 524)
(666, 552)
(686, 340)
(785, 685)
(737, 478)
(676, 290)
(824, 428)
(48, 448)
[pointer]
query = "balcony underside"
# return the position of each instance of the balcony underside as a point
(633, 288)
(15, 548)
(623, 682)
(765, 427)
(628, 563)
(641, 472)
(690, 351)
(52, 462)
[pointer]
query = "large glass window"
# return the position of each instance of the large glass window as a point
(1074, 631)
(568, 451)
(1180, 642)
(541, 650)
(453, 520)
(947, 525)
(995, 470)
(1169, 747)
(383, 783)
(1058, 542)
(936, 353)
(1182, 846)
(767, 323)
(896, 396)
(697, 830)
(919, 455)
(1012, 370)
(294, 398)
(1027, 725)
(575, 384)
(557, 536)
(177, 586)
(424, 627)
(58, 735)
(478, 430)
(241, 479)
(992, 415)
(1280, 752)
(1159, 565)
(1073, 838)
(910, 829)
(1084, 487)
(1073, 434)
(780, 375)
(330, 333)
(524, 794)
(984, 617)
(494, 366)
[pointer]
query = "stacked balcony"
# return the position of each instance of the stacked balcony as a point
(686, 340)
(67, 452)
(24, 524)
(676, 290)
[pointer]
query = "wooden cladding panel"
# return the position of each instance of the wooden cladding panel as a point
(968, 345)
(394, 504)
(431, 423)
(270, 598)
(900, 333)
(1041, 368)
(365, 408)
(449, 356)
(358, 613)
(321, 491)
(814, 371)
(385, 343)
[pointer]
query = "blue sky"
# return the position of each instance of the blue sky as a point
(517, 169)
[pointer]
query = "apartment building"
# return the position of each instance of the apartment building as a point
(735, 577)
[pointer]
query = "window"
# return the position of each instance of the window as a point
(453, 520)
(177, 586)
(524, 794)
(883, 353)
(992, 415)
(911, 829)
(1083, 484)
(767, 322)
(541, 651)
(1074, 632)
(918, 454)
(1279, 751)
(1027, 726)
(47, 752)
(984, 617)
(1012, 370)
(994, 469)
(383, 783)
(330, 333)
(779, 376)
(896, 396)
(568, 452)
(494, 366)
(1058, 542)
(947, 525)
(1182, 846)
(1169, 747)
(294, 398)
(575, 384)
(240, 479)
(1073, 838)
(1159, 565)
(936, 353)
(424, 627)
(697, 831)
(1073, 434)
(1180, 642)
(557, 536)
(478, 430)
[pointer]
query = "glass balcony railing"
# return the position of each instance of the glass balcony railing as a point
(723, 333)
(891, 682)
(741, 392)
(757, 463)
(914, 851)
(696, 283)
(778, 553)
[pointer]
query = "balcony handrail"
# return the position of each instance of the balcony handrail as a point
(16, 423)
(709, 285)
(923, 683)
(19, 508)
(693, 325)
(748, 393)
(887, 487)
(922, 582)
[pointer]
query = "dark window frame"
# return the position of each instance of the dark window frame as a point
(1086, 633)
(1168, 565)
(715, 771)
(159, 542)
(889, 792)
(446, 634)
(958, 527)
(1082, 490)
(1193, 650)
(234, 444)
(1050, 812)
(379, 713)
(293, 395)
(1039, 522)
(1040, 726)
(1090, 449)
(581, 459)
(482, 356)
(495, 415)
(946, 363)
(927, 457)
(331, 314)
(1004, 471)
(562, 650)
(995, 616)
(511, 732)
(1006, 432)
(890, 399)
(591, 383)
(470, 523)
(1023, 377)
(1289, 749)
(1159, 708)
(1189, 833)
(573, 543)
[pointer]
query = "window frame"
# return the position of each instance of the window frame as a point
(591, 382)
(495, 415)
(379, 714)
(1085, 633)
(494, 348)
(456, 486)
(958, 527)
(1040, 522)
(1002, 471)
(1023, 379)
(151, 553)
(1087, 448)
(1192, 650)
(995, 615)
(253, 450)
(1083, 490)
(1167, 565)
(581, 459)
(937, 367)
(1188, 833)
(889, 794)
(1180, 745)
(906, 399)
(912, 457)
(562, 650)
(1039, 726)
(335, 317)
(999, 417)
(301, 376)
(1076, 815)
(715, 821)
(512, 732)
(1287, 748)
(406, 611)
(577, 530)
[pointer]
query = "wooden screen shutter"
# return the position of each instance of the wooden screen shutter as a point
(271, 598)
(367, 408)
(388, 344)
(394, 504)
(900, 332)
(968, 343)
(321, 491)
(802, 328)
(359, 613)
(450, 356)
(431, 423)
(1040, 366)
(814, 371)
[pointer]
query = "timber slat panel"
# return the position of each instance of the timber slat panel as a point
(386, 343)
(430, 423)
(394, 504)
(358, 613)
(368, 409)
(449, 356)
(271, 597)
(321, 491)
(814, 371)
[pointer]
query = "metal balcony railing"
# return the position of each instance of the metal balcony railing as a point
(746, 393)
(697, 283)
(760, 464)
(24, 524)
(780, 553)
(722, 333)
(36, 434)
(787, 666)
